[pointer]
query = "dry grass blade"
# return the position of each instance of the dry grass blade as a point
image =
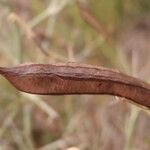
(93, 22)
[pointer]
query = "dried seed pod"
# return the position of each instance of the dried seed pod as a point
(63, 79)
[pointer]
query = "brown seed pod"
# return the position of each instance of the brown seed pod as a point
(70, 78)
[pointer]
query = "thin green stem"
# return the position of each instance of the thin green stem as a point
(130, 126)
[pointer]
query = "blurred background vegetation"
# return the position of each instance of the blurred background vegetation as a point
(109, 33)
